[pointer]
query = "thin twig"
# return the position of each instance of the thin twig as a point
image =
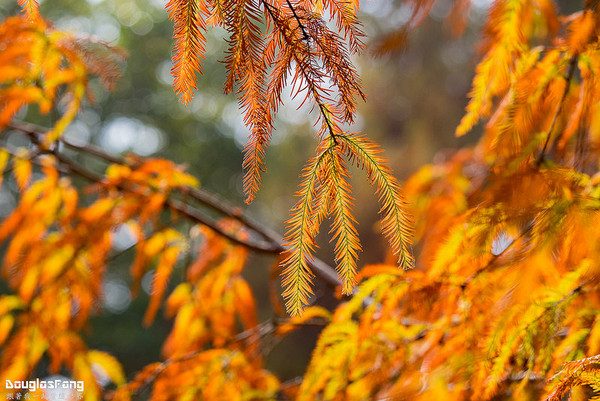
(206, 198)
(300, 64)
(176, 205)
(306, 37)
(329, 126)
(495, 257)
(36, 131)
(571, 71)
(261, 330)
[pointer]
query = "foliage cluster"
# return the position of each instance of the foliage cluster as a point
(502, 303)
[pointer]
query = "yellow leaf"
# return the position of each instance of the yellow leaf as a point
(4, 155)
(154, 244)
(593, 340)
(117, 172)
(6, 325)
(54, 263)
(29, 284)
(109, 364)
(9, 302)
(22, 168)
(83, 371)
(309, 313)
(180, 296)
(97, 210)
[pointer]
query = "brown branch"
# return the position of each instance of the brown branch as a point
(261, 330)
(329, 126)
(176, 205)
(571, 71)
(288, 384)
(273, 242)
(300, 64)
(302, 28)
(495, 257)
(35, 131)
(208, 199)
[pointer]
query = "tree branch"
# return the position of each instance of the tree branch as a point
(570, 73)
(302, 28)
(261, 330)
(272, 242)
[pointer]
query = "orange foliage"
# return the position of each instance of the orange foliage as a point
(503, 301)
(36, 62)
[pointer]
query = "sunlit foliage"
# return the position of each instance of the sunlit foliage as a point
(503, 301)
(272, 46)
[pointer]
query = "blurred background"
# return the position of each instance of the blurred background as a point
(416, 97)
